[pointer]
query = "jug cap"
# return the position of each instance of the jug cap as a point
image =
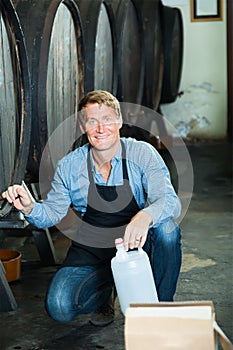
(118, 241)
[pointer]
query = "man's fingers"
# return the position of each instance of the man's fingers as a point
(11, 194)
(133, 238)
(143, 241)
(20, 198)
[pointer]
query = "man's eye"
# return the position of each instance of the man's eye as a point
(108, 120)
(92, 122)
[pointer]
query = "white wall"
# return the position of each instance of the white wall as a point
(202, 110)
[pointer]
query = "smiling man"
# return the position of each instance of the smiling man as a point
(121, 188)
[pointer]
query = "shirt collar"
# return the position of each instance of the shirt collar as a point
(116, 158)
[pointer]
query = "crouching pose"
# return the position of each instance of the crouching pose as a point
(121, 188)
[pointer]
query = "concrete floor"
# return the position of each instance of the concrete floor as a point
(207, 268)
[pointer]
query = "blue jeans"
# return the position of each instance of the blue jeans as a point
(81, 290)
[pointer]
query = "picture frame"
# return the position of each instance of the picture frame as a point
(207, 10)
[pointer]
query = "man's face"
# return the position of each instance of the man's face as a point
(101, 126)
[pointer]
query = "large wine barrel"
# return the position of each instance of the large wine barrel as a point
(152, 35)
(54, 42)
(15, 108)
(130, 51)
(99, 45)
(173, 53)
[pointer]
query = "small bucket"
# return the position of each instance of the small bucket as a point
(11, 260)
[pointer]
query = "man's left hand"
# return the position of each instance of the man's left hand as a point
(136, 231)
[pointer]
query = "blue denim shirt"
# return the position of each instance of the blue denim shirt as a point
(147, 173)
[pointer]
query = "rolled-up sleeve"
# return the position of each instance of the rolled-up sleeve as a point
(162, 200)
(55, 206)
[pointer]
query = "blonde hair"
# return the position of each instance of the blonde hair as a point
(100, 97)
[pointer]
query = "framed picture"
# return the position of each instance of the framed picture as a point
(206, 10)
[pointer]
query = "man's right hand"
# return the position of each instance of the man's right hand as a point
(19, 198)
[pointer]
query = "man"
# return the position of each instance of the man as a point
(121, 188)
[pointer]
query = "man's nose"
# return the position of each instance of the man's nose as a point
(100, 127)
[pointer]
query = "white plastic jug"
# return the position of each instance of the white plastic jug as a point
(133, 276)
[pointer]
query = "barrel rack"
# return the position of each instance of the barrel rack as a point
(16, 225)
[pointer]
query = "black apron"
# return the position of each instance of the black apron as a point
(109, 210)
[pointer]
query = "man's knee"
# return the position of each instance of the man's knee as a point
(58, 308)
(168, 232)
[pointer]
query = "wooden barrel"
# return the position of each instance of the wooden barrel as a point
(15, 108)
(152, 36)
(130, 51)
(54, 42)
(173, 53)
(99, 45)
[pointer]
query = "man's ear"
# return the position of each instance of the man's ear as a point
(81, 121)
(82, 128)
(120, 122)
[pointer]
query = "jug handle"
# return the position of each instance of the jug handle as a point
(140, 250)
